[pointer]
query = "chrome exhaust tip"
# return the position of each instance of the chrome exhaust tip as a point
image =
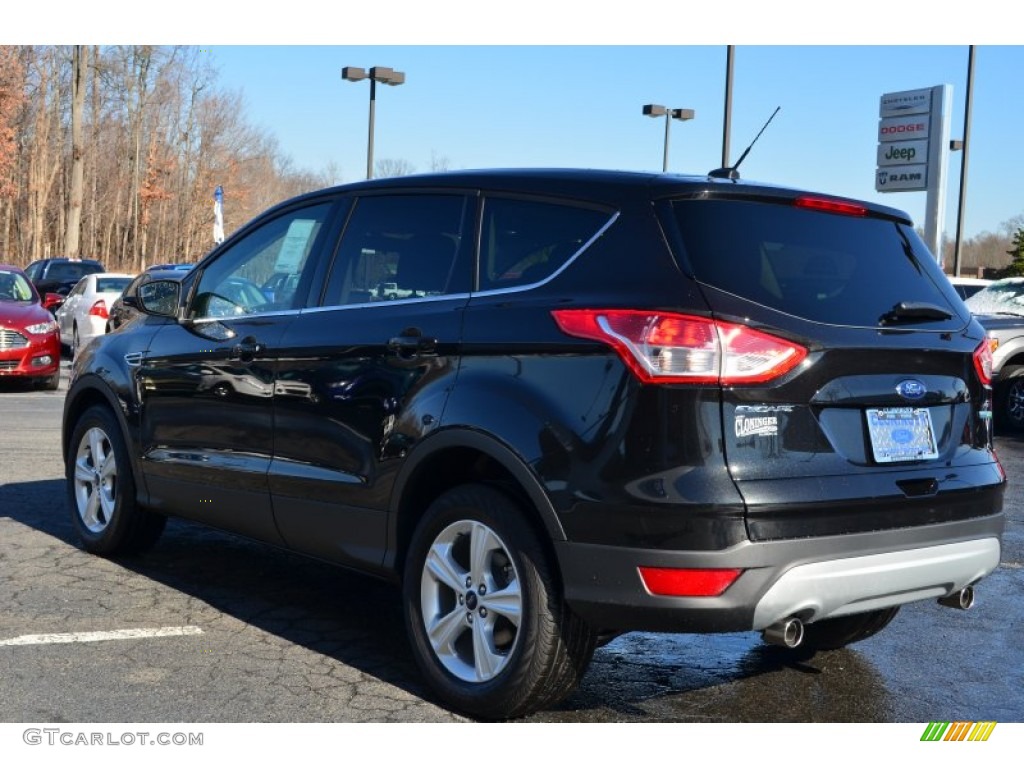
(963, 599)
(788, 633)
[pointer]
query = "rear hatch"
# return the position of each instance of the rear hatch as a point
(885, 422)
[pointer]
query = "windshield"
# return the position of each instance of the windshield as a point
(14, 287)
(1003, 297)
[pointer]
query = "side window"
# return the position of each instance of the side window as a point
(79, 288)
(32, 270)
(526, 241)
(261, 272)
(401, 247)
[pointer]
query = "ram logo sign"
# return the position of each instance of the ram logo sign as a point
(902, 178)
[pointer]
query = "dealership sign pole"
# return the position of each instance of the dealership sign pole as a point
(913, 134)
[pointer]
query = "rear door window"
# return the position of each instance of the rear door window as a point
(820, 266)
(526, 241)
(402, 246)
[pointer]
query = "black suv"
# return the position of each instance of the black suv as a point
(586, 403)
(60, 275)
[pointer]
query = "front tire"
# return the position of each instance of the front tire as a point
(486, 621)
(101, 489)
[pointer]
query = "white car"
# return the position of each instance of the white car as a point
(968, 286)
(83, 315)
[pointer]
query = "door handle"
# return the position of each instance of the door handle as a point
(409, 344)
(247, 349)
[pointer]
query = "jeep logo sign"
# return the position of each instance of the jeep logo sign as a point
(902, 153)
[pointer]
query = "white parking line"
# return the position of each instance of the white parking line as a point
(94, 637)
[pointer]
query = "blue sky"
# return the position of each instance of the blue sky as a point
(562, 83)
(580, 106)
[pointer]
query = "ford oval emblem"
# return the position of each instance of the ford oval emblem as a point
(911, 389)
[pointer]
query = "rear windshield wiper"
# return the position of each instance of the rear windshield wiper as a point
(913, 312)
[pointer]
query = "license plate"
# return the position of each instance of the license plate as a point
(901, 434)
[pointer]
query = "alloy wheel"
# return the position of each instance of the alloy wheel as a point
(95, 480)
(471, 601)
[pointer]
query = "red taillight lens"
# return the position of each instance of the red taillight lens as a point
(669, 348)
(831, 206)
(688, 582)
(983, 362)
(99, 309)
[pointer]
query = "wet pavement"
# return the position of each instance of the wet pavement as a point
(286, 639)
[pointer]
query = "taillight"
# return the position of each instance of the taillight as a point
(831, 206)
(669, 348)
(983, 362)
(688, 582)
(99, 309)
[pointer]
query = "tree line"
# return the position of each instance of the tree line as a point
(114, 153)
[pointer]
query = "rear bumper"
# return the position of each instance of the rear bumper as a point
(813, 578)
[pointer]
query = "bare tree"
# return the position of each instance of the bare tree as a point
(439, 163)
(390, 167)
(79, 65)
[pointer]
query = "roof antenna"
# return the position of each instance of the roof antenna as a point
(732, 173)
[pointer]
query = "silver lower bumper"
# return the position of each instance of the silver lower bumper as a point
(825, 589)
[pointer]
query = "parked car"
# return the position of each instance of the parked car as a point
(603, 402)
(84, 314)
(968, 286)
(29, 342)
(60, 275)
(1000, 309)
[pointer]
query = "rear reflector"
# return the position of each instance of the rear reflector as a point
(688, 582)
(669, 348)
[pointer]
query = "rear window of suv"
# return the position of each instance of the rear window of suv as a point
(824, 267)
(66, 271)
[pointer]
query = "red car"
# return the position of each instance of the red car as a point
(29, 339)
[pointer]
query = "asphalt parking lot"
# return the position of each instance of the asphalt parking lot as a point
(211, 628)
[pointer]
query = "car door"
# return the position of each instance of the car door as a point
(66, 314)
(207, 382)
(367, 373)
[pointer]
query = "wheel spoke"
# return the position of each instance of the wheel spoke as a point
(443, 568)
(92, 505)
(485, 660)
(108, 469)
(96, 447)
(445, 630)
(482, 543)
(83, 473)
(507, 602)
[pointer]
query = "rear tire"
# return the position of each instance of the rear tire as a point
(830, 634)
(486, 620)
(101, 489)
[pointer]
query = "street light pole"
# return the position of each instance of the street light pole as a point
(376, 75)
(657, 110)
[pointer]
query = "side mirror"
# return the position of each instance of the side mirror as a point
(160, 297)
(53, 301)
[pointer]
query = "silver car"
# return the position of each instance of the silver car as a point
(83, 315)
